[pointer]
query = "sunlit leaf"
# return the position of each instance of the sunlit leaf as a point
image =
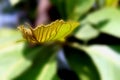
(57, 30)
(9, 36)
(105, 20)
(12, 61)
(107, 61)
(86, 32)
(17, 57)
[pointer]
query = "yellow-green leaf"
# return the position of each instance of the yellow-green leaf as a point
(57, 30)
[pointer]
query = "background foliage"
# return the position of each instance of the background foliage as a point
(92, 53)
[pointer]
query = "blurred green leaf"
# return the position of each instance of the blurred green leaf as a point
(111, 3)
(10, 54)
(107, 61)
(77, 8)
(107, 3)
(112, 28)
(17, 57)
(12, 61)
(55, 77)
(111, 15)
(100, 3)
(61, 7)
(115, 48)
(82, 64)
(86, 32)
(101, 15)
(9, 36)
(73, 9)
(43, 66)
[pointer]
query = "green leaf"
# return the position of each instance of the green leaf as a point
(43, 66)
(61, 7)
(55, 77)
(73, 9)
(86, 33)
(12, 62)
(82, 64)
(107, 3)
(78, 8)
(11, 57)
(18, 58)
(102, 14)
(115, 48)
(111, 15)
(112, 28)
(9, 36)
(107, 61)
(111, 3)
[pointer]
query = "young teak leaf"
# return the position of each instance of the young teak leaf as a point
(57, 30)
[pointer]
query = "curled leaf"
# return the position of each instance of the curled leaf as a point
(57, 30)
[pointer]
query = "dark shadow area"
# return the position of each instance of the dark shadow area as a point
(61, 10)
(81, 63)
(67, 74)
(105, 39)
(64, 71)
(54, 14)
(28, 9)
(73, 39)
